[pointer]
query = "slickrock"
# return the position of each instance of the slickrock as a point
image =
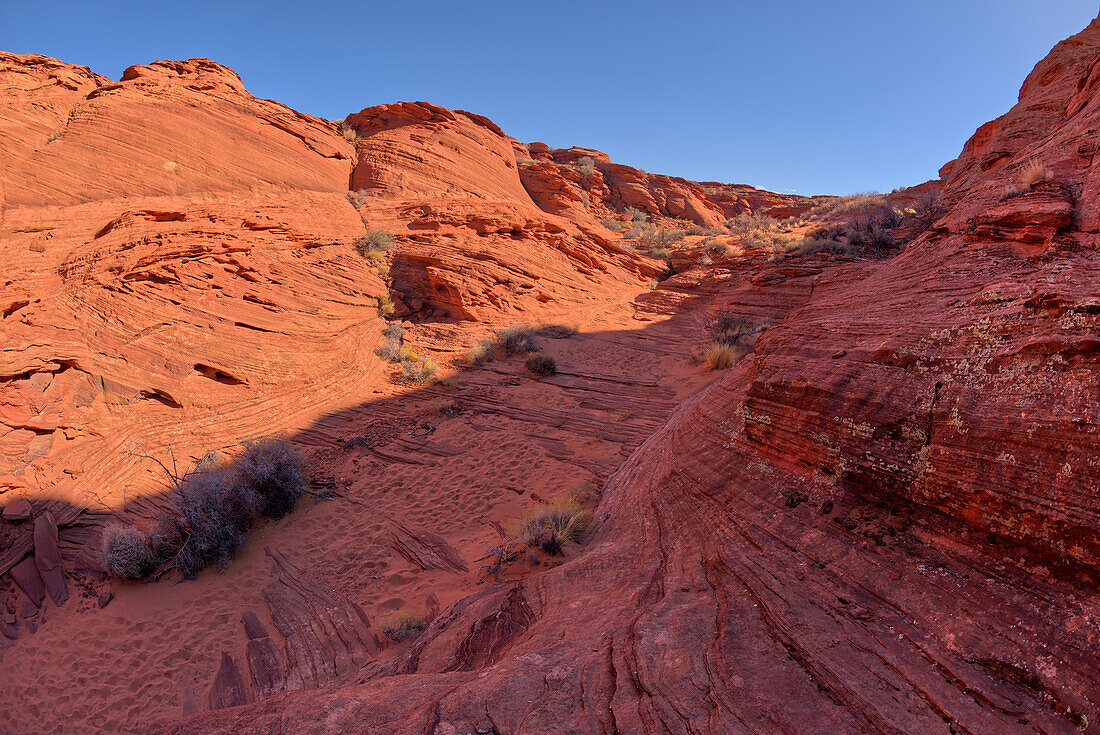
(583, 183)
(885, 519)
(472, 244)
(178, 272)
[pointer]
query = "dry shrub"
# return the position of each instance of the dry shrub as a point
(586, 165)
(275, 471)
(417, 370)
(540, 365)
(816, 243)
(211, 510)
(403, 626)
(517, 338)
(719, 356)
(350, 134)
(613, 224)
(126, 552)
(389, 351)
(636, 214)
(480, 353)
(726, 327)
(374, 242)
(748, 223)
(550, 527)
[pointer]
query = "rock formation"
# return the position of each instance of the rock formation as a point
(884, 518)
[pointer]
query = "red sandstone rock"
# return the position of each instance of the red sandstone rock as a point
(28, 579)
(17, 510)
(47, 558)
(884, 520)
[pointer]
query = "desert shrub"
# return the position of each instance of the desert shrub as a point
(350, 134)
(586, 165)
(541, 365)
(758, 231)
(818, 243)
(726, 328)
(53, 136)
(516, 338)
(480, 353)
(418, 370)
(718, 248)
(658, 252)
(404, 626)
(210, 511)
(126, 552)
(374, 241)
(585, 492)
(748, 223)
(550, 527)
(705, 260)
(390, 351)
(214, 511)
(273, 469)
(613, 224)
(665, 236)
(719, 356)
(386, 306)
(640, 230)
(636, 214)
(355, 199)
(1033, 173)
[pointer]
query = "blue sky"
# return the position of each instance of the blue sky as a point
(812, 97)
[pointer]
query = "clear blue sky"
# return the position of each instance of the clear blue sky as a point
(795, 95)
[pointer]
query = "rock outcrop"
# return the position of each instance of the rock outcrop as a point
(471, 242)
(886, 519)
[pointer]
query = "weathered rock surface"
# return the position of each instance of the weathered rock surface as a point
(585, 183)
(471, 242)
(886, 519)
(177, 270)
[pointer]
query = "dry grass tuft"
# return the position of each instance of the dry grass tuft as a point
(719, 356)
(480, 353)
(386, 307)
(550, 527)
(1033, 173)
